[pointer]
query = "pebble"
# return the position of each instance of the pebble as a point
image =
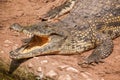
(102, 79)
(72, 69)
(87, 76)
(2, 52)
(36, 58)
(44, 61)
(7, 42)
(30, 65)
(6, 45)
(39, 69)
(52, 74)
(54, 63)
(64, 77)
(63, 66)
(117, 57)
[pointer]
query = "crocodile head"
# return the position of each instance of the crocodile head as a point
(44, 39)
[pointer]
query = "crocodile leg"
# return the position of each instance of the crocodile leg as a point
(60, 10)
(102, 51)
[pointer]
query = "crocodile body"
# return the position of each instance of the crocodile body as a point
(89, 24)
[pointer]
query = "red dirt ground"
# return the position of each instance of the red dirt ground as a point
(60, 67)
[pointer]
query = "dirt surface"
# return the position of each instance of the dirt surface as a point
(59, 67)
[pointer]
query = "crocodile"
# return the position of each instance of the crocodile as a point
(87, 24)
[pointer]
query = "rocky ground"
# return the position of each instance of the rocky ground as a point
(59, 67)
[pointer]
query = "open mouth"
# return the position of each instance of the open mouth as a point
(34, 43)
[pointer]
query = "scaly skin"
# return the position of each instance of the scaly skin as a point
(90, 24)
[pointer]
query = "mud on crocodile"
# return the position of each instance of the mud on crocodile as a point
(88, 24)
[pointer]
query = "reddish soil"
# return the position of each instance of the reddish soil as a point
(27, 12)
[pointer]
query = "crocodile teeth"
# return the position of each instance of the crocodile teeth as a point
(29, 35)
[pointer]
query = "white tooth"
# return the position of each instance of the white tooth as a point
(29, 35)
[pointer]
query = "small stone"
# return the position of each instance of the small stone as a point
(39, 69)
(44, 61)
(36, 58)
(2, 52)
(7, 42)
(63, 66)
(117, 57)
(64, 77)
(20, 13)
(54, 63)
(72, 69)
(51, 74)
(6, 45)
(87, 76)
(102, 79)
(30, 65)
